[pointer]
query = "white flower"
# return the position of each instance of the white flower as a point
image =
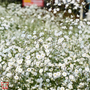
(72, 77)
(47, 52)
(47, 80)
(40, 40)
(49, 74)
(18, 69)
(58, 88)
(71, 66)
(55, 11)
(10, 64)
(41, 34)
(70, 27)
(64, 27)
(88, 23)
(64, 45)
(50, 9)
(62, 88)
(29, 69)
(58, 74)
(76, 71)
(55, 75)
(64, 74)
(81, 84)
(60, 40)
(58, 9)
(85, 55)
(40, 71)
(28, 57)
(87, 69)
(70, 32)
(2, 18)
(20, 49)
(39, 80)
(80, 31)
(1, 28)
(9, 74)
(19, 61)
(69, 11)
(49, 39)
(16, 77)
(28, 62)
(70, 86)
(42, 55)
(19, 89)
(46, 46)
(37, 45)
(38, 56)
(9, 55)
(63, 65)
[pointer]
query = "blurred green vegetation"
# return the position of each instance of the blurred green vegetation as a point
(6, 2)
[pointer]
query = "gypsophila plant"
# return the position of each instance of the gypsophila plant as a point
(43, 51)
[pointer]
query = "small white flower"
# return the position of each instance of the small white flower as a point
(37, 45)
(64, 45)
(40, 40)
(85, 55)
(58, 88)
(42, 55)
(55, 11)
(10, 64)
(38, 56)
(18, 69)
(2, 18)
(19, 89)
(50, 9)
(64, 74)
(41, 34)
(69, 11)
(81, 84)
(9, 74)
(16, 77)
(70, 27)
(87, 69)
(47, 52)
(62, 88)
(29, 69)
(45, 46)
(40, 71)
(28, 57)
(9, 55)
(19, 61)
(49, 74)
(58, 74)
(88, 23)
(70, 86)
(55, 75)
(64, 27)
(20, 49)
(58, 9)
(39, 80)
(60, 40)
(28, 62)
(76, 71)
(47, 80)
(71, 77)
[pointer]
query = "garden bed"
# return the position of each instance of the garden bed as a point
(41, 51)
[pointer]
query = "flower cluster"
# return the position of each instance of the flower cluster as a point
(40, 51)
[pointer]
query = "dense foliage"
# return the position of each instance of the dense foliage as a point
(42, 51)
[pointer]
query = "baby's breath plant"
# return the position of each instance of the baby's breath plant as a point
(43, 51)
